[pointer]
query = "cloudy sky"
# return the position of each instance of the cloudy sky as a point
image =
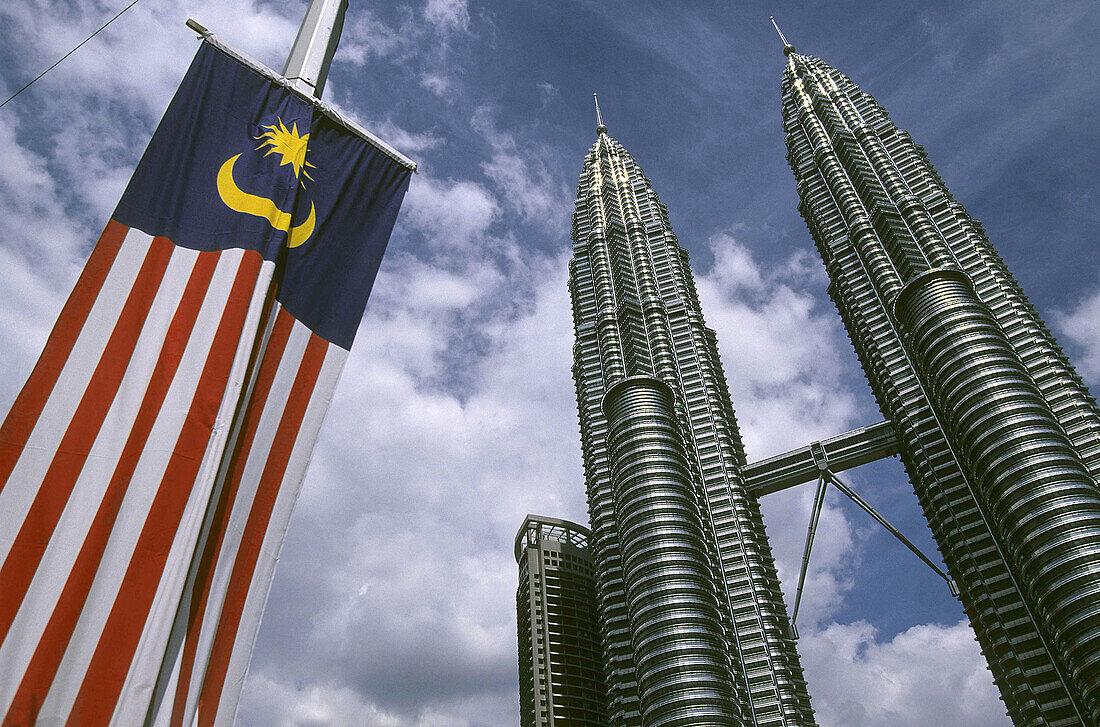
(393, 604)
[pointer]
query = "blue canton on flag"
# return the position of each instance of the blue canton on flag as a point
(257, 166)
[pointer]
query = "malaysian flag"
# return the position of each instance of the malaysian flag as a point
(149, 466)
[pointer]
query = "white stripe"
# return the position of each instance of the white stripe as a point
(163, 715)
(141, 491)
(172, 663)
(281, 386)
(291, 486)
(91, 483)
(137, 691)
(17, 496)
(147, 475)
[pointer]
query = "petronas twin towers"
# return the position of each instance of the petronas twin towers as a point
(999, 436)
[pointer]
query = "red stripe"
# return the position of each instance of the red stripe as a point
(269, 365)
(28, 405)
(103, 680)
(59, 630)
(72, 452)
(256, 527)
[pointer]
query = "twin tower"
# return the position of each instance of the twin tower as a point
(999, 436)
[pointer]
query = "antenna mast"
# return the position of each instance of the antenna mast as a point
(787, 47)
(600, 128)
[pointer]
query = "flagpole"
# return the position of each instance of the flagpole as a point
(311, 55)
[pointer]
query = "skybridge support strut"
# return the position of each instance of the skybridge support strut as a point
(816, 453)
(866, 506)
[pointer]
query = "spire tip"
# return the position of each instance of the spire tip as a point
(787, 47)
(600, 128)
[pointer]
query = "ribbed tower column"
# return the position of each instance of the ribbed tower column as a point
(683, 668)
(1027, 475)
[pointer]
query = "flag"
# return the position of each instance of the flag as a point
(149, 465)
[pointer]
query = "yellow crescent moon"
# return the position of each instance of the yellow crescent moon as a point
(238, 200)
(300, 233)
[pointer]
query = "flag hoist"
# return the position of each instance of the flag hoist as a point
(149, 466)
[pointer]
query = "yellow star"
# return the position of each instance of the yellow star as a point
(289, 144)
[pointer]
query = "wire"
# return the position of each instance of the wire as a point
(55, 64)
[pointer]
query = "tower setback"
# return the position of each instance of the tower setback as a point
(692, 620)
(999, 436)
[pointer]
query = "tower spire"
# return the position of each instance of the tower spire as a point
(600, 128)
(787, 47)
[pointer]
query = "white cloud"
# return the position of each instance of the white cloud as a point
(421, 43)
(929, 674)
(438, 83)
(734, 268)
(447, 15)
(782, 348)
(405, 141)
(450, 213)
(782, 353)
(96, 155)
(1082, 326)
(41, 254)
(412, 509)
(434, 288)
(547, 92)
(834, 560)
(273, 704)
(365, 37)
(141, 57)
(521, 176)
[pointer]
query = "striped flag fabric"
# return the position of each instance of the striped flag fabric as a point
(149, 466)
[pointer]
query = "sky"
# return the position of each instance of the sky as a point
(393, 604)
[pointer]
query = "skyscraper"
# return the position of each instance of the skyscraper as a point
(997, 432)
(692, 620)
(561, 681)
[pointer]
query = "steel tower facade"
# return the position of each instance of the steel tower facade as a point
(694, 628)
(998, 434)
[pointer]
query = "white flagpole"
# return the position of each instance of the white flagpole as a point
(311, 55)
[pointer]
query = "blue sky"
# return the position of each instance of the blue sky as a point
(393, 602)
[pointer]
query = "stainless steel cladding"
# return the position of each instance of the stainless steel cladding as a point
(636, 313)
(683, 667)
(1026, 474)
(1000, 437)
